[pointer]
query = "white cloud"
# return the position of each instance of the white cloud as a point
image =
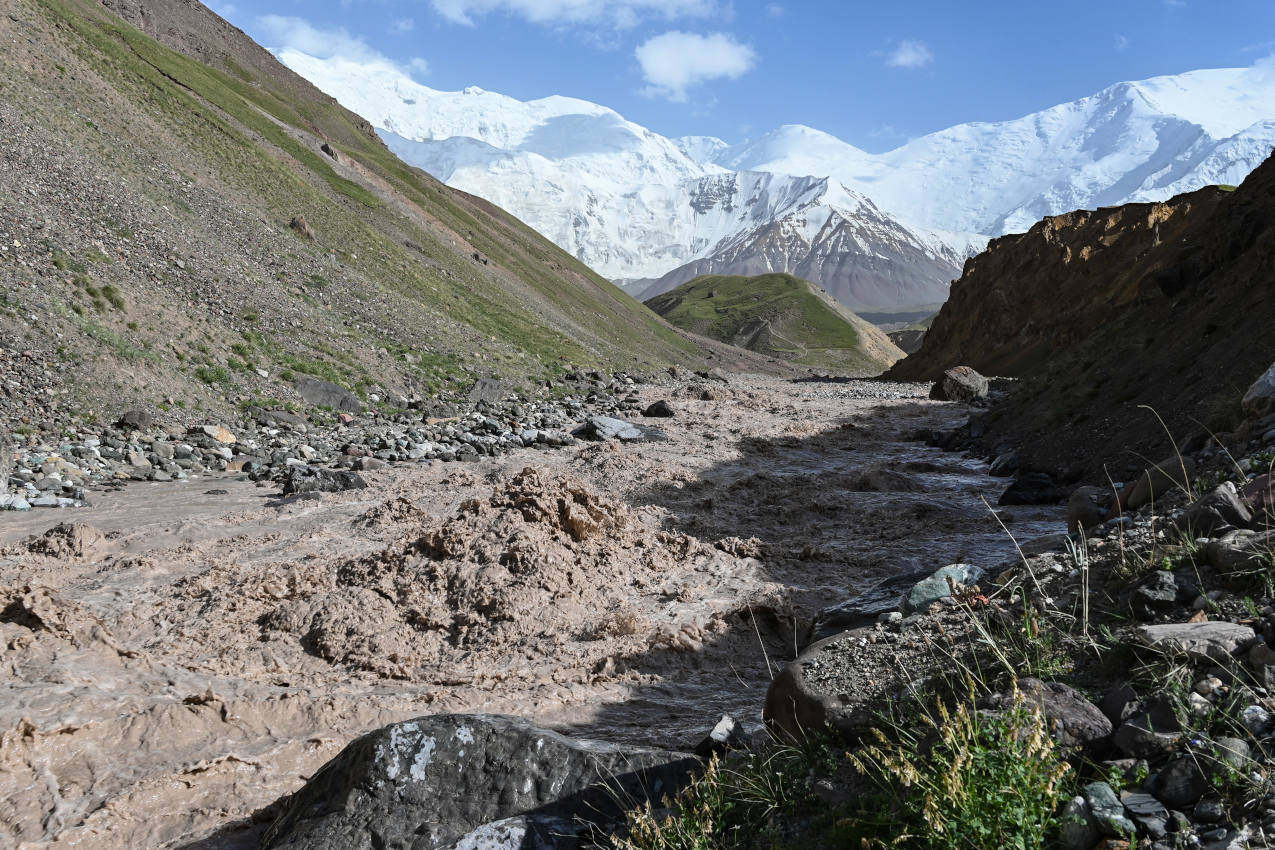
(621, 14)
(403, 25)
(775, 10)
(279, 32)
(676, 61)
(909, 54)
(1122, 41)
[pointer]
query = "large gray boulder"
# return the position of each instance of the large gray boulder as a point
(470, 780)
(1216, 513)
(326, 394)
(960, 383)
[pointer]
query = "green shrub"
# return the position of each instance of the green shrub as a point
(962, 778)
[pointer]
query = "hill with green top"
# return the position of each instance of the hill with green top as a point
(781, 316)
(189, 224)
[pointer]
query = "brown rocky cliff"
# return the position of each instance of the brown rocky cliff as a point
(1162, 305)
(1032, 296)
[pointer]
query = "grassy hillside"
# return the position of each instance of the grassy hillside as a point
(780, 315)
(149, 259)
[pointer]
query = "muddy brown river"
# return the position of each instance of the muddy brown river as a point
(193, 655)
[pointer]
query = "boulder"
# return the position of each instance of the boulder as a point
(489, 390)
(607, 428)
(135, 420)
(310, 479)
(1260, 397)
(1217, 513)
(326, 394)
(1077, 829)
(661, 409)
(1242, 553)
(1031, 488)
(1260, 493)
(861, 610)
(1162, 478)
(1108, 811)
(929, 590)
(725, 736)
(1073, 720)
(452, 781)
(1156, 594)
(1209, 641)
(1087, 508)
(217, 434)
(960, 383)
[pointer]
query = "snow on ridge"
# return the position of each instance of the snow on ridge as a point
(634, 204)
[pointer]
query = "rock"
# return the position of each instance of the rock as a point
(489, 390)
(135, 420)
(661, 409)
(861, 610)
(1004, 465)
(1215, 514)
(310, 479)
(218, 434)
(726, 735)
(1087, 508)
(326, 394)
(929, 590)
(1045, 543)
(1260, 397)
(429, 782)
(1119, 704)
(69, 541)
(13, 502)
(1210, 641)
(960, 383)
(1108, 811)
(1141, 736)
(1147, 812)
(1157, 593)
(1181, 784)
(1031, 488)
(301, 226)
(1162, 478)
(1073, 720)
(1242, 553)
(607, 428)
(1077, 829)
(1260, 493)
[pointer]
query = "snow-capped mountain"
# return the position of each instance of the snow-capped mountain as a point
(881, 231)
(1142, 141)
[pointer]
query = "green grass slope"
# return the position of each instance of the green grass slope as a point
(149, 259)
(779, 315)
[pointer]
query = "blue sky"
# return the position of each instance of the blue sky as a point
(874, 74)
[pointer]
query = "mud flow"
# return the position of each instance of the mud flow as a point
(178, 656)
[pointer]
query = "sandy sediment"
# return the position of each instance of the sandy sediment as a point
(176, 657)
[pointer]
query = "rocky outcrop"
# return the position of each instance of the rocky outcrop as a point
(1101, 312)
(470, 781)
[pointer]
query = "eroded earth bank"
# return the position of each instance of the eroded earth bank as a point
(188, 652)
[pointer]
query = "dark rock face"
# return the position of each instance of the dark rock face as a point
(429, 782)
(661, 409)
(316, 391)
(960, 383)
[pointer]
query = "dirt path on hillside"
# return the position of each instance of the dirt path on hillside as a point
(195, 650)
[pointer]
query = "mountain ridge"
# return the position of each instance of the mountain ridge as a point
(619, 196)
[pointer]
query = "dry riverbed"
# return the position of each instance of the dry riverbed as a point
(199, 648)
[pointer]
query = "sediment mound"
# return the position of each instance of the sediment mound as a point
(540, 557)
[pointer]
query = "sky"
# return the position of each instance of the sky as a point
(873, 74)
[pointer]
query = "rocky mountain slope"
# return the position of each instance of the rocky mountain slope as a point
(889, 230)
(780, 315)
(1164, 305)
(148, 256)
